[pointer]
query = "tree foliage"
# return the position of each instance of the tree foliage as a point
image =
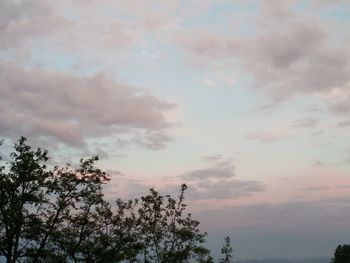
(341, 254)
(168, 235)
(60, 214)
(226, 251)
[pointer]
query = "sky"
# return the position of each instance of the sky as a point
(247, 102)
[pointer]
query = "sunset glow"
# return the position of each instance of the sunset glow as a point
(247, 102)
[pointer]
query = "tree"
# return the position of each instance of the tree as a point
(341, 254)
(226, 251)
(22, 194)
(169, 235)
(59, 214)
(83, 226)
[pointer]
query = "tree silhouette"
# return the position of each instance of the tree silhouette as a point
(168, 235)
(23, 194)
(226, 251)
(60, 215)
(342, 254)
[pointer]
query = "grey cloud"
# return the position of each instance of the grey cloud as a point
(295, 55)
(212, 172)
(343, 187)
(318, 163)
(315, 188)
(23, 19)
(225, 189)
(213, 158)
(305, 123)
(344, 123)
(341, 106)
(347, 159)
(203, 190)
(346, 156)
(41, 103)
(314, 108)
(217, 182)
(321, 164)
(79, 30)
(206, 44)
(275, 9)
(262, 136)
(214, 182)
(317, 133)
(291, 54)
(153, 140)
(296, 59)
(219, 170)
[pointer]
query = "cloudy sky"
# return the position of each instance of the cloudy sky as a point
(248, 102)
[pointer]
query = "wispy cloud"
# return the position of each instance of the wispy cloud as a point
(290, 54)
(264, 136)
(315, 188)
(307, 122)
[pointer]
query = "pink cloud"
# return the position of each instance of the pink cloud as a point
(38, 102)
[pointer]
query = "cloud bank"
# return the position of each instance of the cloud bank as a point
(70, 108)
(218, 181)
